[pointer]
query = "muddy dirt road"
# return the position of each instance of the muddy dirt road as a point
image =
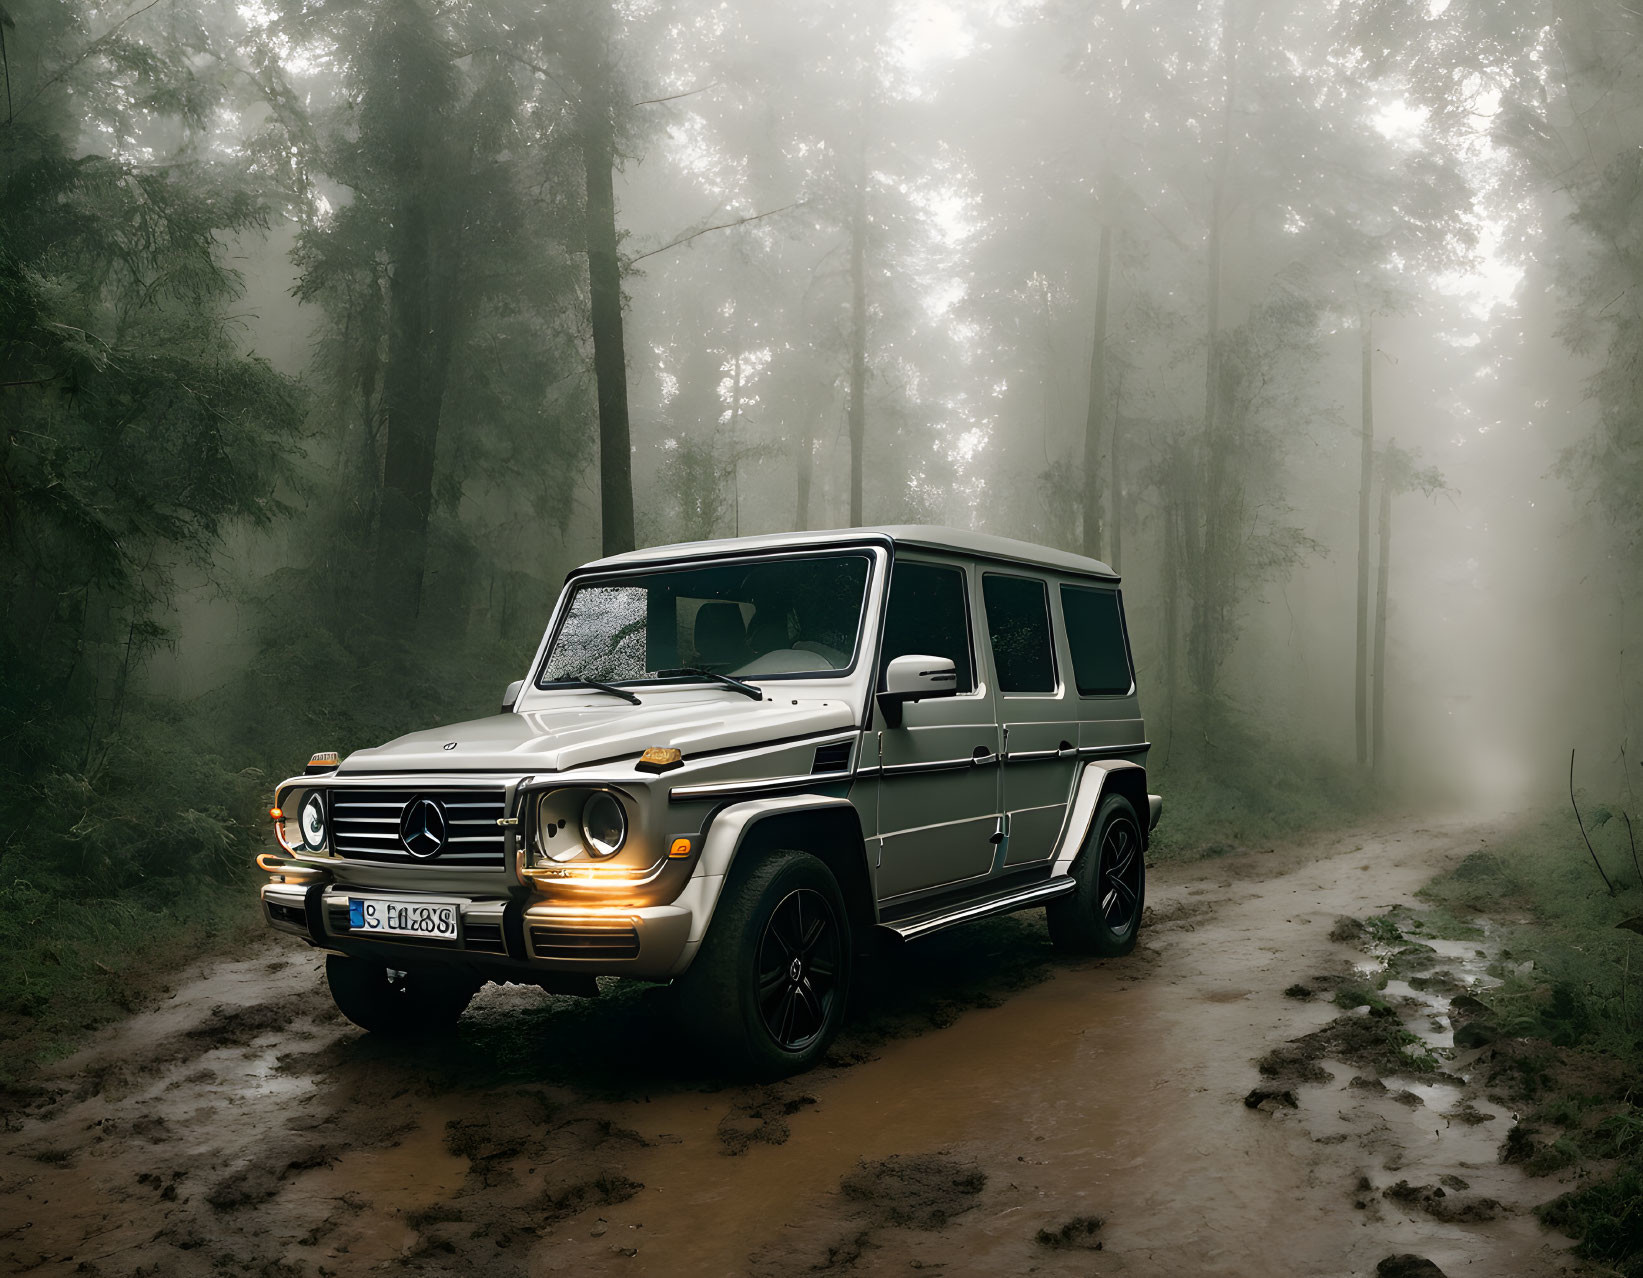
(992, 1110)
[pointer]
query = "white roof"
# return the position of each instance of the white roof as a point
(959, 540)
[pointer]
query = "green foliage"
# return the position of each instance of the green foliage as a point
(1572, 975)
(1228, 784)
(138, 432)
(1607, 1217)
(447, 275)
(75, 962)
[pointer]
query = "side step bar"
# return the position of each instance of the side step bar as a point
(924, 924)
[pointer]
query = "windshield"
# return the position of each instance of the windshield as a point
(770, 619)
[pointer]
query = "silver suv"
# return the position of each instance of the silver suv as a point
(732, 765)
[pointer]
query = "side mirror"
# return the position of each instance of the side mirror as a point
(915, 677)
(511, 695)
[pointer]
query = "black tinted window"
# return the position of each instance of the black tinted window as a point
(1018, 617)
(928, 615)
(1095, 633)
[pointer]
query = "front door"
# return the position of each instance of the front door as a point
(938, 785)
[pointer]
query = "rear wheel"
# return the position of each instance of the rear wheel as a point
(766, 993)
(398, 1002)
(1102, 915)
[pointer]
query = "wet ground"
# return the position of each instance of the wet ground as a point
(992, 1109)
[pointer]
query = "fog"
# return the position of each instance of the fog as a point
(1095, 275)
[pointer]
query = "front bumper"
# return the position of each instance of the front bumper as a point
(499, 938)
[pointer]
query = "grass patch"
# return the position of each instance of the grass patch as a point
(1607, 1217)
(75, 962)
(1571, 997)
(1228, 785)
(1351, 996)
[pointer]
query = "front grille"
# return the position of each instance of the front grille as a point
(365, 826)
(585, 940)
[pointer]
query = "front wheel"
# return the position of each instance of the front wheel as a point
(767, 991)
(1102, 915)
(395, 1002)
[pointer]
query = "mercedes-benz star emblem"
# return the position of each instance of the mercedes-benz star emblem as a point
(422, 828)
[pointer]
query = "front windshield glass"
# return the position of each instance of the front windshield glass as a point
(771, 619)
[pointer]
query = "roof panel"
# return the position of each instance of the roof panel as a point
(929, 536)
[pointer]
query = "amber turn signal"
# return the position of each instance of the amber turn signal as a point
(660, 759)
(323, 761)
(681, 847)
(276, 814)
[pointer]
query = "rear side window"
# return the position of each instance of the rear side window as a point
(1095, 633)
(930, 615)
(1018, 619)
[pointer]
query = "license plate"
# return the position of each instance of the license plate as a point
(436, 920)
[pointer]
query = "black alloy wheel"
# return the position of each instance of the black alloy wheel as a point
(1118, 886)
(798, 967)
(768, 989)
(1102, 914)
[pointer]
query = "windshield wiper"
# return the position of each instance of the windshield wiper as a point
(602, 687)
(746, 689)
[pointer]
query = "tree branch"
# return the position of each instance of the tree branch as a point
(1582, 825)
(720, 226)
(688, 93)
(68, 66)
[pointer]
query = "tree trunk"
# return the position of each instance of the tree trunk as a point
(1095, 420)
(419, 344)
(736, 438)
(605, 291)
(1174, 519)
(1116, 521)
(804, 460)
(858, 343)
(1366, 470)
(1379, 749)
(1206, 544)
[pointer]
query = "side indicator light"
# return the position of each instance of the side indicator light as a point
(276, 814)
(660, 759)
(323, 761)
(681, 847)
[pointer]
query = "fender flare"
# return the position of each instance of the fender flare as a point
(728, 830)
(1100, 778)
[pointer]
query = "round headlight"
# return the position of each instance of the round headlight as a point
(311, 821)
(604, 825)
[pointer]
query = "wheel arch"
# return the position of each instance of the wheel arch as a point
(826, 827)
(1099, 779)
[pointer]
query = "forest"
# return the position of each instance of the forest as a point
(333, 334)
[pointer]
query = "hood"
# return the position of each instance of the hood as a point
(586, 731)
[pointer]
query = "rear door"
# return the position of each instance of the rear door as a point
(1039, 717)
(938, 785)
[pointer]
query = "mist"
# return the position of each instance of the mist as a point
(333, 336)
(1128, 279)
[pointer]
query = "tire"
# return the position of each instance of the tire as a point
(396, 1003)
(1102, 915)
(766, 993)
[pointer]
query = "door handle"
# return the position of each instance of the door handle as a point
(981, 756)
(1066, 749)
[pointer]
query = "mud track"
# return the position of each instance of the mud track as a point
(992, 1109)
